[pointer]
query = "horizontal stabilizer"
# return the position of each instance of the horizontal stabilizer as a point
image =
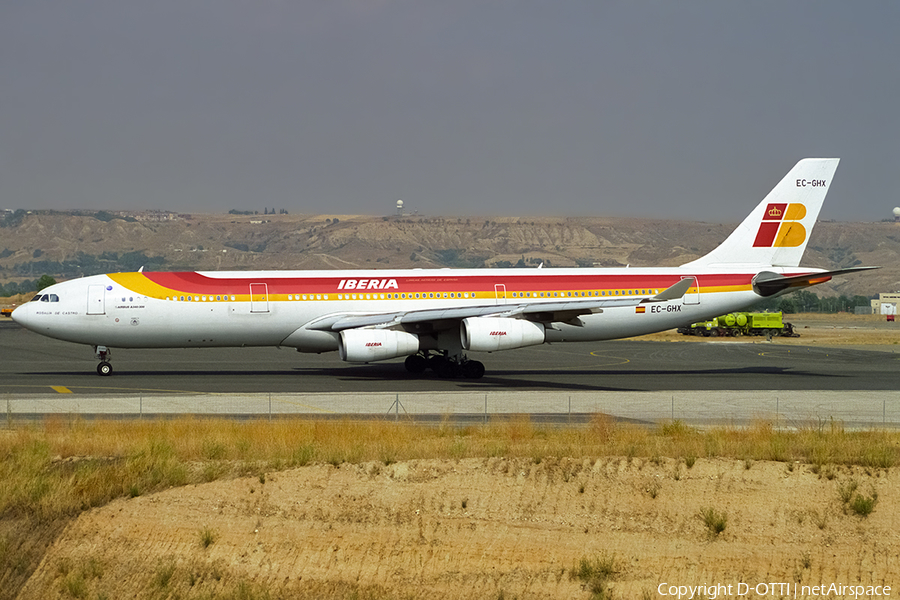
(768, 284)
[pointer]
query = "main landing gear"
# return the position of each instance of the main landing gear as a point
(103, 353)
(446, 367)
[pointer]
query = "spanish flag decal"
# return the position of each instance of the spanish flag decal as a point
(640, 309)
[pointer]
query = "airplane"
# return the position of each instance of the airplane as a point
(434, 317)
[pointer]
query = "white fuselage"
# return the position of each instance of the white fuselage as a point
(277, 308)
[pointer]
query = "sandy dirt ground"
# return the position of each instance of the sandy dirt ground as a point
(485, 528)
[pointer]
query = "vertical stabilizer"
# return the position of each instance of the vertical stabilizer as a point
(777, 230)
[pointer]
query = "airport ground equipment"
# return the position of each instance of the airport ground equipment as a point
(769, 324)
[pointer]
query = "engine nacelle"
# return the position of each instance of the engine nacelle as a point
(484, 334)
(370, 345)
(310, 340)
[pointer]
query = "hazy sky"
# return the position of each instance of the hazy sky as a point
(683, 109)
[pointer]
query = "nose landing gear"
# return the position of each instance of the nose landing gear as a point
(103, 353)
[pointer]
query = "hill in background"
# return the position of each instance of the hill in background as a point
(67, 245)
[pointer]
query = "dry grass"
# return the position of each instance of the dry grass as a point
(63, 467)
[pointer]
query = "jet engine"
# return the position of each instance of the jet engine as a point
(485, 334)
(369, 345)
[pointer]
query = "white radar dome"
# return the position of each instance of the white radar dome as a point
(897, 211)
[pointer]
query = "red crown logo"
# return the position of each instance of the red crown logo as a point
(774, 212)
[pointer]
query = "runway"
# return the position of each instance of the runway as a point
(701, 382)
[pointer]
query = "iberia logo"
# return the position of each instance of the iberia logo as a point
(781, 226)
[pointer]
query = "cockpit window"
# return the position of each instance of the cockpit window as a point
(36, 298)
(54, 298)
(45, 298)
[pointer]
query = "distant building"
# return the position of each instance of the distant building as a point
(886, 304)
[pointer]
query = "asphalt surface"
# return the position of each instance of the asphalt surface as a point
(35, 364)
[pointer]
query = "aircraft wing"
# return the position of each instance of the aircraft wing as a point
(563, 310)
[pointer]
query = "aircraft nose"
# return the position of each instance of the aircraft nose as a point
(22, 315)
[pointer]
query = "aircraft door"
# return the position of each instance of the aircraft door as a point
(96, 301)
(692, 296)
(259, 298)
(500, 293)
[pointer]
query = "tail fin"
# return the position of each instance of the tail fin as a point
(776, 232)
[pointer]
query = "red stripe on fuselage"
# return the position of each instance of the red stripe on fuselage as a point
(194, 283)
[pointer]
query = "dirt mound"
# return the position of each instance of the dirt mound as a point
(485, 528)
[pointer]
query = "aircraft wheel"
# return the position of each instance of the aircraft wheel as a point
(473, 369)
(104, 368)
(416, 363)
(447, 370)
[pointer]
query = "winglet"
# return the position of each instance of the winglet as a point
(674, 292)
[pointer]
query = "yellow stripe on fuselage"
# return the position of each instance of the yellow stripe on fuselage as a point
(139, 284)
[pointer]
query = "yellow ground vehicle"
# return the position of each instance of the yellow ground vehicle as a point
(742, 323)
